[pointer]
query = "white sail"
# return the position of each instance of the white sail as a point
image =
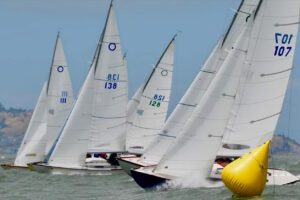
(32, 147)
(99, 102)
(70, 148)
(51, 112)
(59, 94)
(134, 102)
(195, 92)
(150, 115)
(108, 122)
(272, 47)
(194, 151)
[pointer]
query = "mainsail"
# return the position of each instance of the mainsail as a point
(100, 110)
(150, 115)
(108, 122)
(272, 47)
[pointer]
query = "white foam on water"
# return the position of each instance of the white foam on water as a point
(192, 181)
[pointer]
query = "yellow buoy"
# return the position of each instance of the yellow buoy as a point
(247, 176)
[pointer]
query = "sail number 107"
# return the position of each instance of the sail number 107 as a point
(283, 41)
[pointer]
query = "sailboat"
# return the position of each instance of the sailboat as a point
(252, 113)
(97, 123)
(150, 115)
(51, 111)
(195, 92)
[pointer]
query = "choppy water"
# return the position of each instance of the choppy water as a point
(23, 184)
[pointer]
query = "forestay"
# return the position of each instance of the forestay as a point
(150, 115)
(272, 47)
(195, 92)
(32, 147)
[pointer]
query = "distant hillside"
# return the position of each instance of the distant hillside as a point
(13, 124)
(283, 144)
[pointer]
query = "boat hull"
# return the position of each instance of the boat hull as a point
(12, 166)
(146, 180)
(127, 164)
(44, 168)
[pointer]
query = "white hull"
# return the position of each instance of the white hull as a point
(128, 163)
(43, 168)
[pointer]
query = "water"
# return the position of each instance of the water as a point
(27, 185)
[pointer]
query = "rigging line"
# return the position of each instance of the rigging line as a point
(52, 62)
(289, 110)
(273, 170)
(231, 24)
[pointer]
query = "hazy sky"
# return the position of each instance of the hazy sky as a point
(28, 31)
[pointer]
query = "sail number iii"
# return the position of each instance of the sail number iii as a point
(283, 42)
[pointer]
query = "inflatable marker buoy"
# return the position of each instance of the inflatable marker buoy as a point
(247, 176)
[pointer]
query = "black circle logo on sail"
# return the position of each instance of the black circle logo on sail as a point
(112, 46)
(60, 69)
(164, 72)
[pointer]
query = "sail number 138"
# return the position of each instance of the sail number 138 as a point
(283, 42)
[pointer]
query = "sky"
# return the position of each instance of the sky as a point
(29, 27)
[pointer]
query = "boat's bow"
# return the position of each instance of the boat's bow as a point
(147, 179)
